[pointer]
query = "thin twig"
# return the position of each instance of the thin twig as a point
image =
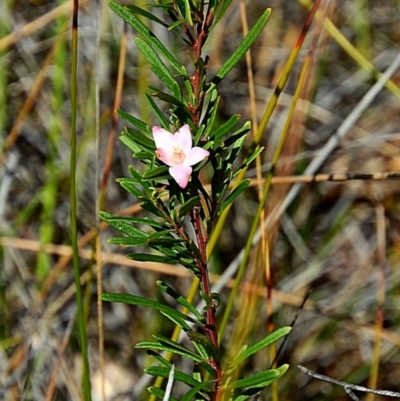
(348, 386)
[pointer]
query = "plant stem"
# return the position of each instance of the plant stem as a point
(211, 330)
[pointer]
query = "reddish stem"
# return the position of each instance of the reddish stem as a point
(210, 328)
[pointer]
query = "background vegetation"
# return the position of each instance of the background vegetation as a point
(341, 239)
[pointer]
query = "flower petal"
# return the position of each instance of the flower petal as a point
(163, 139)
(165, 157)
(181, 174)
(183, 139)
(195, 155)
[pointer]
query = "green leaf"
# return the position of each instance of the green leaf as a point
(201, 339)
(126, 14)
(226, 127)
(180, 299)
(159, 393)
(261, 379)
(130, 143)
(155, 92)
(140, 220)
(148, 257)
(140, 11)
(243, 47)
(212, 111)
(265, 342)
(257, 388)
(152, 208)
(250, 159)
(176, 23)
(135, 174)
(155, 345)
(188, 206)
(129, 185)
(157, 112)
(155, 241)
(143, 141)
(127, 241)
(145, 157)
(156, 172)
(122, 225)
(168, 345)
(220, 12)
(197, 389)
(187, 13)
(148, 303)
(134, 121)
(159, 68)
(159, 371)
(234, 194)
(160, 359)
(238, 135)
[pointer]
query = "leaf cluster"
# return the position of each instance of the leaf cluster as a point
(203, 351)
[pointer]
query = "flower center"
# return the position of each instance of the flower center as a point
(178, 156)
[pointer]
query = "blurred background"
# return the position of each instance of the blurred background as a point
(341, 240)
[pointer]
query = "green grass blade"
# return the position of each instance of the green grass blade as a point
(73, 206)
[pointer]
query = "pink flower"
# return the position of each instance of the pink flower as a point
(176, 151)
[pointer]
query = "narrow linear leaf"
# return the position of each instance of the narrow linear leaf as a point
(261, 379)
(256, 389)
(170, 346)
(187, 14)
(127, 241)
(195, 390)
(127, 15)
(159, 393)
(155, 172)
(134, 121)
(135, 174)
(122, 225)
(238, 135)
(148, 303)
(176, 23)
(234, 194)
(163, 241)
(155, 92)
(180, 299)
(130, 186)
(220, 12)
(145, 142)
(201, 339)
(152, 208)
(130, 143)
(244, 46)
(158, 67)
(265, 342)
(178, 375)
(160, 359)
(157, 111)
(226, 127)
(166, 340)
(145, 157)
(212, 111)
(147, 257)
(188, 206)
(250, 159)
(140, 11)
(141, 220)
(155, 345)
